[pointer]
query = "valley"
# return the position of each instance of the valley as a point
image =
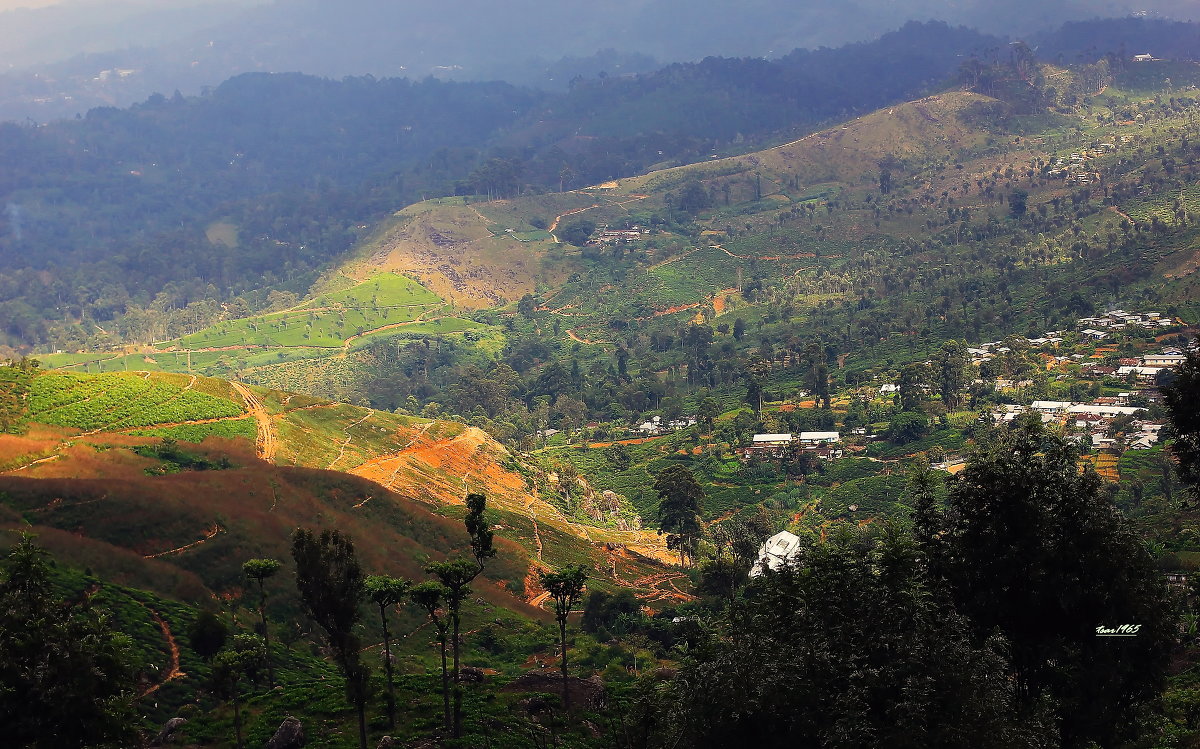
(943, 351)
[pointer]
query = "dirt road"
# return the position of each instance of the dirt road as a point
(266, 430)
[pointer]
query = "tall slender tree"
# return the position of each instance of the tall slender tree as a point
(330, 582)
(431, 596)
(565, 588)
(950, 372)
(679, 497)
(457, 575)
(259, 570)
(386, 592)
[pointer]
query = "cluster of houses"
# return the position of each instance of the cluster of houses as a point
(656, 426)
(1093, 421)
(606, 236)
(823, 445)
(1074, 168)
(1099, 328)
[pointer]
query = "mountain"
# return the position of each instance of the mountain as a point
(41, 36)
(801, 336)
(261, 184)
(529, 42)
(855, 248)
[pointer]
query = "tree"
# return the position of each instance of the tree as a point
(694, 198)
(739, 328)
(67, 678)
(950, 372)
(754, 393)
(527, 305)
(847, 648)
(577, 233)
(1182, 396)
(605, 614)
(816, 379)
(386, 592)
(908, 426)
(619, 456)
(457, 575)
(679, 496)
(707, 411)
(565, 588)
(238, 661)
(912, 383)
(1037, 551)
(430, 596)
(736, 544)
(1018, 202)
(330, 582)
(207, 634)
(259, 570)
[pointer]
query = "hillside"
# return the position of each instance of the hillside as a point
(89, 465)
(793, 228)
(997, 283)
(252, 202)
(481, 253)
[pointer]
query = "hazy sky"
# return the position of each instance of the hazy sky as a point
(11, 4)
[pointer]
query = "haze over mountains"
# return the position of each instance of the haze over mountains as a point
(69, 57)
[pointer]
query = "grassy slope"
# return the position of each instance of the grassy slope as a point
(345, 315)
(452, 248)
(368, 464)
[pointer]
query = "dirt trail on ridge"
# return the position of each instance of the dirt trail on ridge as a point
(173, 670)
(266, 430)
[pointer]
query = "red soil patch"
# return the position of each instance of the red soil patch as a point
(13, 448)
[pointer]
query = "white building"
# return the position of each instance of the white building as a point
(819, 438)
(1051, 407)
(772, 440)
(1110, 411)
(778, 550)
(1163, 360)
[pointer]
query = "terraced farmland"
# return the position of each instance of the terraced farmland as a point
(342, 318)
(121, 402)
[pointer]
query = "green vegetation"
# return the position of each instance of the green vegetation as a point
(197, 433)
(913, 280)
(120, 402)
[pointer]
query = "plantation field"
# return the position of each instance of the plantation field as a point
(384, 290)
(345, 317)
(121, 402)
(244, 428)
(327, 321)
(1163, 208)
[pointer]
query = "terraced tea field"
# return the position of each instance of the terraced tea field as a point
(330, 324)
(123, 402)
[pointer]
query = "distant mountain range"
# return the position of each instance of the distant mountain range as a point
(66, 59)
